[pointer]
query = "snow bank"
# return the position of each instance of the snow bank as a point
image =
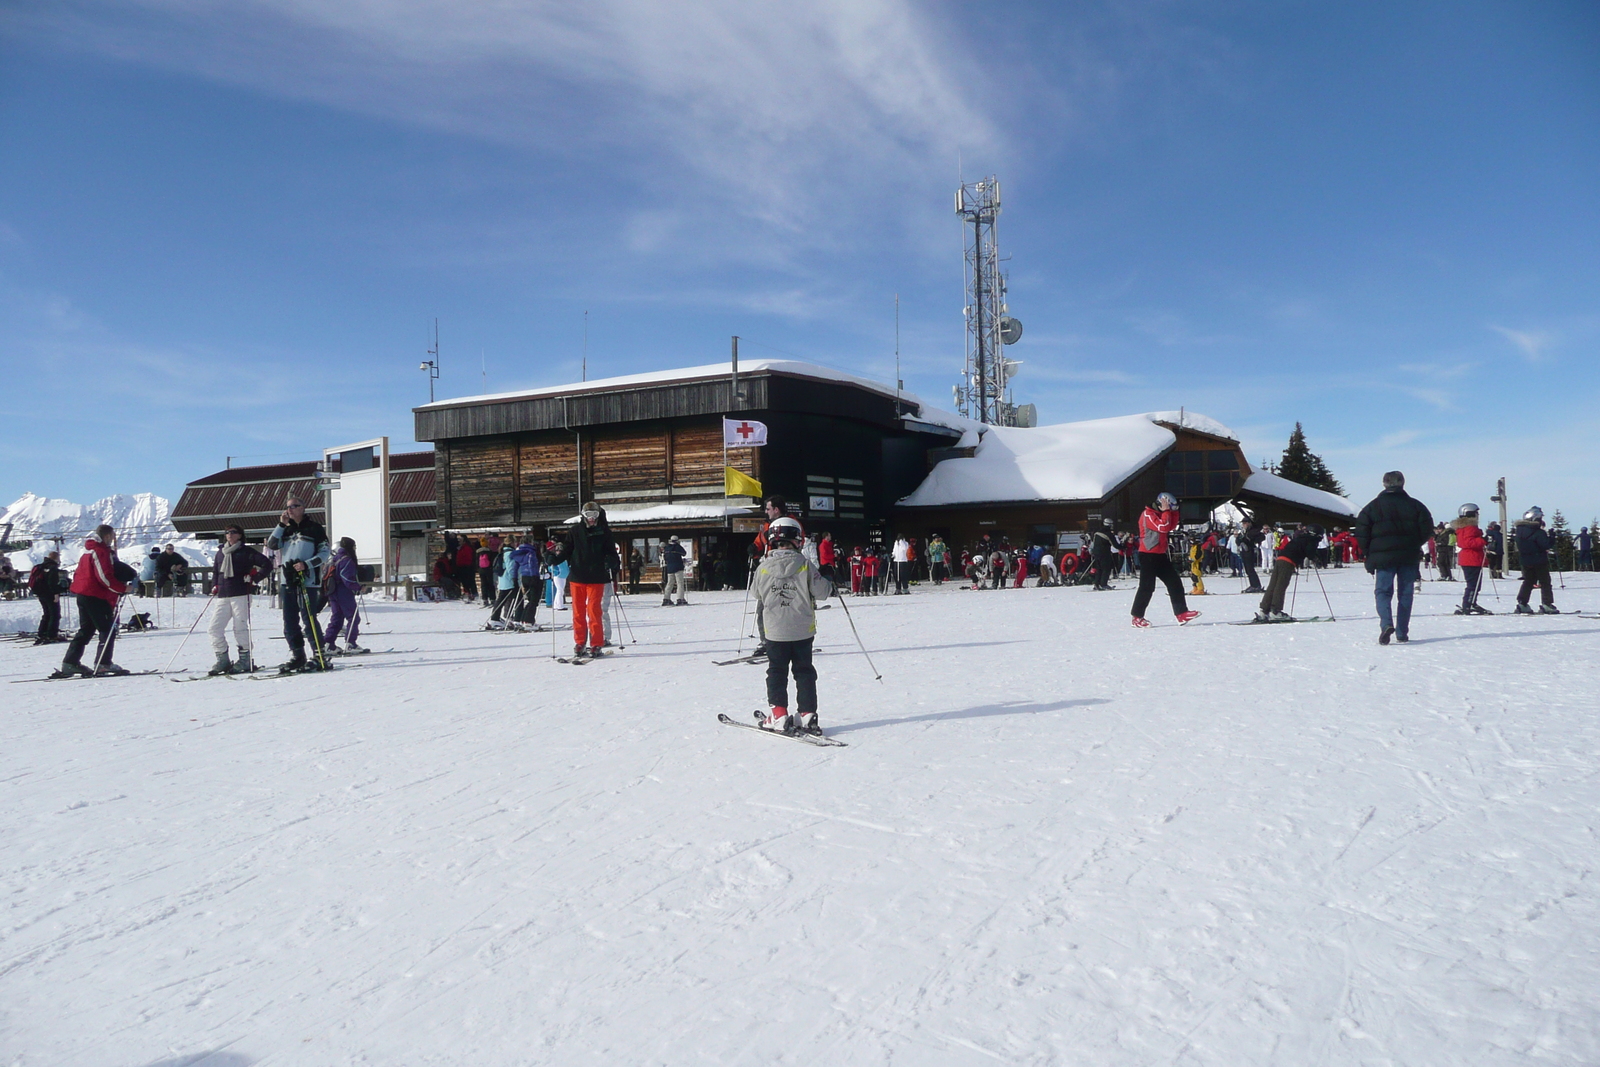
(670, 513)
(1068, 461)
(1283, 489)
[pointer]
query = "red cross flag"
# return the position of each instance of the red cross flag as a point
(742, 433)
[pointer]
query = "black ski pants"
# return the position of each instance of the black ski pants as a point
(532, 593)
(1469, 596)
(782, 658)
(1536, 574)
(294, 612)
(49, 618)
(95, 616)
(1248, 558)
(502, 602)
(1153, 565)
(1277, 586)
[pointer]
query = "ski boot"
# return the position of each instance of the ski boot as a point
(244, 664)
(222, 666)
(1188, 617)
(296, 664)
(1479, 609)
(806, 723)
(1141, 622)
(1549, 609)
(580, 651)
(1280, 616)
(666, 602)
(777, 720)
(1523, 609)
(680, 603)
(1262, 616)
(72, 670)
(110, 670)
(596, 651)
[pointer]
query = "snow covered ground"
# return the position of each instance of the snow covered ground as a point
(1053, 839)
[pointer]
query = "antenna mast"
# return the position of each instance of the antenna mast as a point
(985, 392)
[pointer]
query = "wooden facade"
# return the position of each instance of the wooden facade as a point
(526, 461)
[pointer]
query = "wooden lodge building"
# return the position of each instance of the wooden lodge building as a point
(852, 456)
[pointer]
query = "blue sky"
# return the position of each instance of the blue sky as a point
(226, 228)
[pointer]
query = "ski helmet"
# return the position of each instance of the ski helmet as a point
(1166, 500)
(784, 528)
(1533, 514)
(1467, 509)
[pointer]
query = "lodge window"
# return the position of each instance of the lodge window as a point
(1203, 473)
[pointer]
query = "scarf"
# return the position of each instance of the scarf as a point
(227, 558)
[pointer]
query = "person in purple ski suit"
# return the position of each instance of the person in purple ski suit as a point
(341, 585)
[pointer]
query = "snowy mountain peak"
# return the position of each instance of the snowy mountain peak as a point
(137, 516)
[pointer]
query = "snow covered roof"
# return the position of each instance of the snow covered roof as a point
(1265, 484)
(670, 513)
(793, 368)
(1068, 461)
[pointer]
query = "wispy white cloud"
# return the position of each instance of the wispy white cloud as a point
(1532, 343)
(781, 107)
(1398, 438)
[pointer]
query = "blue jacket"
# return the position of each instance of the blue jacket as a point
(672, 558)
(527, 561)
(506, 570)
(303, 542)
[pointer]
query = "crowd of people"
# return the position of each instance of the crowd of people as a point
(584, 566)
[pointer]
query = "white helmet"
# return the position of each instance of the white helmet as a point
(784, 528)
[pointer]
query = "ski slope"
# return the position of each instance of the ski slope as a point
(1053, 839)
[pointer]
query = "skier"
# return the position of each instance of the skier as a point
(44, 581)
(1290, 557)
(938, 557)
(302, 546)
(1155, 526)
(525, 557)
(99, 590)
(827, 556)
(1533, 548)
(504, 572)
(1391, 531)
(786, 590)
(902, 565)
(1494, 550)
(147, 572)
(1102, 549)
(1197, 580)
(1469, 553)
(164, 563)
(1250, 538)
(635, 569)
(673, 575)
(1442, 552)
(1585, 550)
(235, 569)
(592, 552)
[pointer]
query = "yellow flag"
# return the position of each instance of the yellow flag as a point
(736, 484)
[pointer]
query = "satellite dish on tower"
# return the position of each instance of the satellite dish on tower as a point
(1010, 331)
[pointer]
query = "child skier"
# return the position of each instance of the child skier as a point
(786, 589)
(1469, 553)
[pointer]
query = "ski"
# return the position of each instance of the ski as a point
(84, 678)
(815, 740)
(576, 661)
(347, 654)
(1278, 622)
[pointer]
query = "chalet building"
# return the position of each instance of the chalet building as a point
(649, 448)
(852, 456)
(253, 498)
(1047, 484)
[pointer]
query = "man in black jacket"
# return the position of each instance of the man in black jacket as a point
(1391, 530)
(591, 550)
(45, 582)
(1533, 552)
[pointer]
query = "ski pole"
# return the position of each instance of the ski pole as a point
(621, 611)
(1295, 590)
(859, 643)
(315, 632)
(1325, 599)
(186, 636)
(745, 612)
(105, 644)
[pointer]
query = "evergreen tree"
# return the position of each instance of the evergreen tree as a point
(1300, 464)
(1561, 542)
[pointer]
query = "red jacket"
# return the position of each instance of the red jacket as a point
(1154, 526)
(825, 555)
(1469, 546)
(94, 576)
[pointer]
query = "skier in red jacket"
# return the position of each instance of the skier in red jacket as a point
(98, 590)
(1470, 544)
(1157, 522)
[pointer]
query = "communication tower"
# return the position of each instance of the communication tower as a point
(985, 390)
